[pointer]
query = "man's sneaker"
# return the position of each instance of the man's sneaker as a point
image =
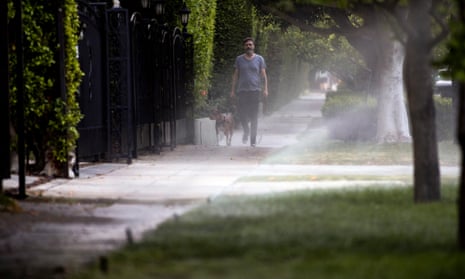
(252, 144)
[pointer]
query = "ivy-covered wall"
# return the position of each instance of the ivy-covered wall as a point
(50, 122)
(202, 26)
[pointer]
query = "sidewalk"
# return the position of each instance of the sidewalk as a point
(67, 222)
(190, 171)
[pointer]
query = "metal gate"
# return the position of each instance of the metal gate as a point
(105, 95)
(167, 94)
(158, 83)
(180, 72)
(145, 46)
(92, 143)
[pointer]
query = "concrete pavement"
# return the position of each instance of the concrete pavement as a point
(190, 171)
(68, 222)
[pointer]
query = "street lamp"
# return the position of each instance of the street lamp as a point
(159, 7)
(145, 4)
(184, 12)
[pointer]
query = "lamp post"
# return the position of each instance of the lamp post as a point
(184, 12)
(159, 8)
(145, 4)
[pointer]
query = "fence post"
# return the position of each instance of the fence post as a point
(5, 163)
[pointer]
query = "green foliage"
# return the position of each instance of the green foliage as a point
(332, 53)
(446, 11)
(344, 101)
(233, 24)
(202, 26)
(456, 56)
(73, 75)
(50, 122)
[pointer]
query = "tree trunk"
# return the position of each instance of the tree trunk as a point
(461, 140)
(419, 87)
(385, 56)
(393, 123)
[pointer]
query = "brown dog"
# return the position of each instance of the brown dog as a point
(224, 123)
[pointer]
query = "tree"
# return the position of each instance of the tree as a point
(418, 81)
(456, 61)
(417, 22)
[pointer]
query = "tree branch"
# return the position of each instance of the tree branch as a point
(304, 26)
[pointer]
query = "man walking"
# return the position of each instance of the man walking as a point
(248, 82)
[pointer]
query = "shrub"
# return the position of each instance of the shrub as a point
(350, 116)
(202, 26)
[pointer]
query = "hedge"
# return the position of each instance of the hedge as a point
(350, 116)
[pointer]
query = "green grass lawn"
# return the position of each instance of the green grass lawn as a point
(369, 233)
(314, 148)
(360, 233)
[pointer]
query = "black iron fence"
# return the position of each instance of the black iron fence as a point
(144, 103)
(160, 83)
(92, 143)
(135, 91)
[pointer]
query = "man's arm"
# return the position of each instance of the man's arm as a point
(265, 82)
(234, 81)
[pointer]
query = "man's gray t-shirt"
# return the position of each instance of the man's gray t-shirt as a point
(249, 73)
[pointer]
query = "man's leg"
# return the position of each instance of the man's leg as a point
(243, 116)
(253, 114)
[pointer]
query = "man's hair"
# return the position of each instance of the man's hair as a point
(247, 39)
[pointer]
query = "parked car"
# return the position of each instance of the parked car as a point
(443, 84)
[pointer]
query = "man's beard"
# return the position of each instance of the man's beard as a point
(249, 51)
